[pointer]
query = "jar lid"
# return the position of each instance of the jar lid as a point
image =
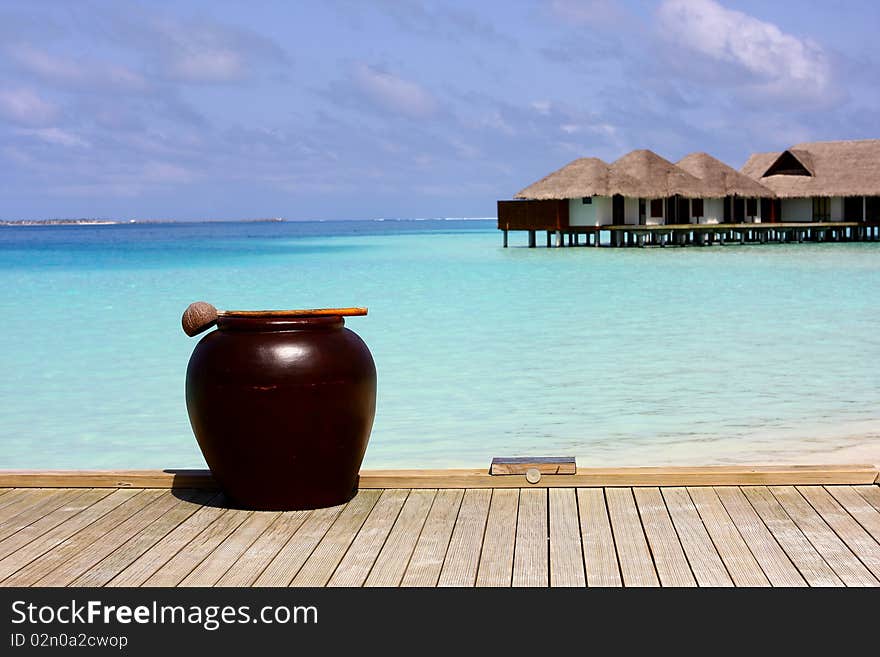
(282, 314)
(200, 316)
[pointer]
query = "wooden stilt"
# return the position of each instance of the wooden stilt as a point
(531, 239)
(505, 239)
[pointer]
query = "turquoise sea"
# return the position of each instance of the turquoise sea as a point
(734, 354)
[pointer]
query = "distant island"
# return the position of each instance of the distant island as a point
(107, 222)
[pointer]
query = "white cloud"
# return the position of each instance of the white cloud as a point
(542, 106)
(25, 107)
(394, 93)
(73, 72)
(777, 63)
(57, 137)
(588, 12)
(208, 66)
(207, 52)
(465, 150)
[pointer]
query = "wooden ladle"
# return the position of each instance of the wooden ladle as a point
(200, 316)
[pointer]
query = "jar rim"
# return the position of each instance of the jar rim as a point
(261, 323)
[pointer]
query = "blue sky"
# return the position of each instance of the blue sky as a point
(337, 109)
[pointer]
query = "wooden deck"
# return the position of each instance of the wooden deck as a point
(696, 234)
(555, 535)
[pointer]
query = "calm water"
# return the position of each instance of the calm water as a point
(717, 355)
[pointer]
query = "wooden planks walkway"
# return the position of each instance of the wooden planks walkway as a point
(754, 535)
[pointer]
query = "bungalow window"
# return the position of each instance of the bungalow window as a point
(751, 207)
(821, 208)
(656, 208)
(697, 207)
(587, 200)
(872, 208)
(852, 208)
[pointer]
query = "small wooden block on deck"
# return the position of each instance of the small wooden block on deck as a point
(518, 465)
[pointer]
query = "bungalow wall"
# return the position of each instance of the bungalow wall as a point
(631, 211)
(595, 213)
(797, 209)
(598, 212)
(713, 211)
(801, 209)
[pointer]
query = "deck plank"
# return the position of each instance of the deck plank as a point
(566, 550)
(634, 556)
(355, 566)
(18, 498)
(430, 552)
(669, 558)
(741, 564)
(498, 535)
(98, 540)
(772, 558)
(463, 554)
(290, 558)
(616, 477)
(496, 560)
(395, 554)
(215, 565)
(859, 508)
(37, 510)
(809, 562)
(600, 555)
(92, 506)
(847, 566)
(189, 502)
(254, 560)
(530, 557)
(860, 542)
(146, 565)
(706, 563)
(319, 567)
(717, 475)
(193, 553)
(26, 498)
(871, 494)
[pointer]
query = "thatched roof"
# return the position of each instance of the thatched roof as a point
(821, 168)
(719, 178)
(587, 176)
(658, 177)
(639, 174)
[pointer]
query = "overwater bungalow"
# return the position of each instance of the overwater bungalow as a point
(815, 191)
(823, 180)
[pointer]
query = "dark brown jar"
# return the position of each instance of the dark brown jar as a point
(282, 408)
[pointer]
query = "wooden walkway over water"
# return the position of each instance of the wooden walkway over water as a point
(651, 527)
(703, 234)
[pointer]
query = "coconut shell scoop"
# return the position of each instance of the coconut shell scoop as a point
(200, 316)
